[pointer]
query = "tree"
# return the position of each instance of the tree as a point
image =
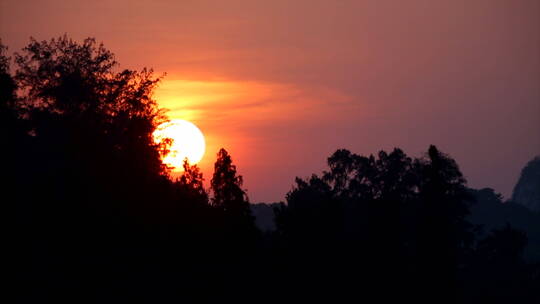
(10, 126)
(226, 186)
(87, 172)
(191, 184)
(7, 83)
(312, 216)
(232, 204)
(444, 198)
(443, 234)
(87, 150)
(72, 92)
(498, 262)
(238, 236)
(90, 185)
(504, 245)
(396, 221)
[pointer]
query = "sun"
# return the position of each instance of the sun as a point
(187, 142)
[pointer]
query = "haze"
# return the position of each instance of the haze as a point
(283, 84)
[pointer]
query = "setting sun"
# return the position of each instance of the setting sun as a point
(187, 142)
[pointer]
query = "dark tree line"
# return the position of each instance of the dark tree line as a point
(94, 208)
(97, 218)
(400, 226)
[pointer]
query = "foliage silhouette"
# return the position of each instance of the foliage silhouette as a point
(227, 186)
(491, 212)
(191, 183)
(232, 200)
(98, 218)
(392, 222)
(93, 186)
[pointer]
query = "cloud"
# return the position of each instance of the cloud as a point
(290, 81)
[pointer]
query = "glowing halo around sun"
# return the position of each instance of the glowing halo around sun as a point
(187, 142)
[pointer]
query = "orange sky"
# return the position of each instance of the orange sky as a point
(283, 84)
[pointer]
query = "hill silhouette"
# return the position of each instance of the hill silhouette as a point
(490, 212)
(527, 190)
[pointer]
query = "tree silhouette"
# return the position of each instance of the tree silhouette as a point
(89, 174)
(191, 183)
(400, 222)
(232, 201)
(10, 126)
(498, 262)
(238, 235)
(443, 232)
(226, 186)
(77, 85)
(97, 217)
(505, 244)
(7, 84)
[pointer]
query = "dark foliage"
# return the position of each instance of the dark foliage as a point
(264, 216)
(396, 224)
(490, 212)
(96, 216)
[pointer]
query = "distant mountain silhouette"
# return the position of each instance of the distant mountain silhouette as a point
(527, 190)
(492, 213)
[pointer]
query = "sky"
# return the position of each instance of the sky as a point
(283, 84)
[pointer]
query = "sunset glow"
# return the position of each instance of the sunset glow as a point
(269, 86)
(253, 151)
(187, 142)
